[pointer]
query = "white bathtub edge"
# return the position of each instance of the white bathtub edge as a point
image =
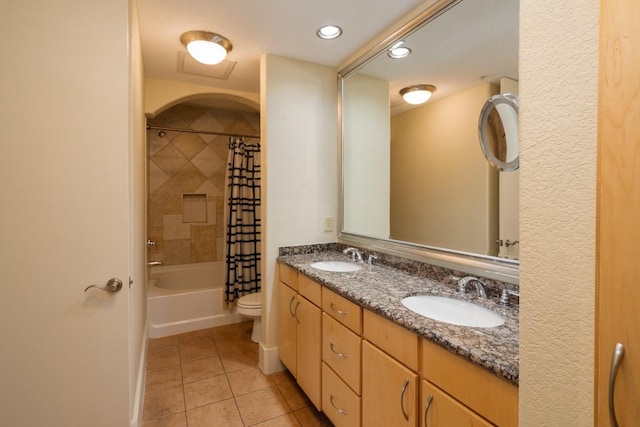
(173, 328)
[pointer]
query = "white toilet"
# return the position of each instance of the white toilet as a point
(251, 306)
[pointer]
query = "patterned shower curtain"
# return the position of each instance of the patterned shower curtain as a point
(243, 220)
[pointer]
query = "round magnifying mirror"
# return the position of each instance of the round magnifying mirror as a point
(498, 131)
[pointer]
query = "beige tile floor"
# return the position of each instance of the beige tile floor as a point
(211, 378)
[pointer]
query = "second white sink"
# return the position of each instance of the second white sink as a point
(454, 311)
(336, 266)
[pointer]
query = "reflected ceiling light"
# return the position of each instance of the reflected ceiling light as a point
(329, 32)
(397, 51)
(205, 47)
(417, 94)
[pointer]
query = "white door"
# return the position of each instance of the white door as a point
(64, 213)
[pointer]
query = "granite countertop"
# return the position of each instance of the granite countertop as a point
(380, 288)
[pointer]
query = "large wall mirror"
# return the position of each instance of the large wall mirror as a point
(415, 181)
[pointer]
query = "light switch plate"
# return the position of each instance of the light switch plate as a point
(328, 223)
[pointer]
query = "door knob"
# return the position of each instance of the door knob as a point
(112, 285)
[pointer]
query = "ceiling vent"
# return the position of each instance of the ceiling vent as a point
(188, 65)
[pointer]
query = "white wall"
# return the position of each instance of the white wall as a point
(299, 158)
(558, 118)
(366, 156)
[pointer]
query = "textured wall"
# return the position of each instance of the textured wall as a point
(558, 82)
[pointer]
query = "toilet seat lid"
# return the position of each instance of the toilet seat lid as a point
(251, 300)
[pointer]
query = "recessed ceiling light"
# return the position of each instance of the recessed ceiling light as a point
(397, 51)
(329, 32)
(417, 94)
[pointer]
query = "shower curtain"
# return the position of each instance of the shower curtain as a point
(243, 220)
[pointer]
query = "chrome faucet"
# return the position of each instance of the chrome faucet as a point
(506, 294)
(462, 286)
(356, 255)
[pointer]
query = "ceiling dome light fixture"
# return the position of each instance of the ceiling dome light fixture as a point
(417, 94)
(397, 51)
(205, 47)
(329, 32)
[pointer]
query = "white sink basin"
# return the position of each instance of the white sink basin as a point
(336, 266)
(455, 311)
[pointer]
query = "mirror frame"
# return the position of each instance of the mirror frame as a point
(504, 270)
(492, 103)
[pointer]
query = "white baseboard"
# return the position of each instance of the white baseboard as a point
(138, 399)
(269, 360)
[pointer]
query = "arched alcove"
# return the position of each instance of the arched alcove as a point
(161, 95)
(187, 171)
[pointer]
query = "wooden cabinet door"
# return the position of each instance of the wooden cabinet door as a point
(288, 327)
(389, 390)
(441, 410)
(309, 340)
(618, 212)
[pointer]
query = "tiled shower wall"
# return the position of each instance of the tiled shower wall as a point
(190, 167)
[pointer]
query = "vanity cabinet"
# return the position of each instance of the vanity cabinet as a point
(389, 390)
(389, 373)
(363, 369)
(341, 355)
(460, 390)
(288, 327)
(300, 331)
(440, 409)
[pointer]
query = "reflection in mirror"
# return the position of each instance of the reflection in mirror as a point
(414, 177)
(498, 131)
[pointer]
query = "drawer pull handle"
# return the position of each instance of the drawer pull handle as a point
(291, 302)
(340, 411)
(402, 392)
(333, 349)
(340, 312)
(426, 408)
(618, 353)
(295, 312)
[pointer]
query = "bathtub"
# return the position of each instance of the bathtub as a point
(184, 298)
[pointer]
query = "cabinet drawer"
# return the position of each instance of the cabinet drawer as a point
(288, 275)
(341, 350)
(395, 340)
(339, 403)
(310, 289)
(441, 410)
(492, 397)
(343, 310)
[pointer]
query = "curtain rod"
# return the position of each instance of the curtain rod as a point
(208, 132)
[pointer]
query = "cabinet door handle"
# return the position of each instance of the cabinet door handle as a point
(404, 389)
(333, 349)
(340, 312)
(291, 302)
(295, 312)
(426, 408)
(618, 353)
(340, 411)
